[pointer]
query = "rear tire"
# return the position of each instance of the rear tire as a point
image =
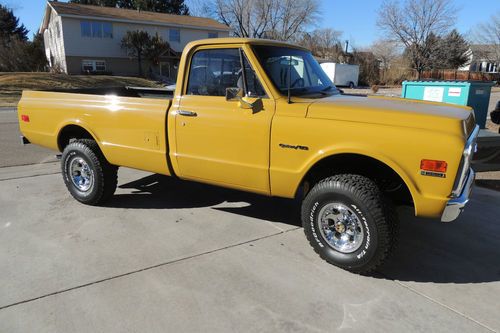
(87, 174)
(348, 222)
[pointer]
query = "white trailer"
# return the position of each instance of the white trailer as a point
(342, 74)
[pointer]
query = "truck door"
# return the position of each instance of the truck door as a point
(224, 141)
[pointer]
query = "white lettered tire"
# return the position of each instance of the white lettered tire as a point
(348, 223)
(86, 173)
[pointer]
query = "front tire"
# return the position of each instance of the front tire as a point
(348, 224)
(87, 174)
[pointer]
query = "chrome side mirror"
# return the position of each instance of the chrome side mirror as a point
(236, 94)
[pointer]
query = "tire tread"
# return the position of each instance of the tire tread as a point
(106, 171)
(384, 216)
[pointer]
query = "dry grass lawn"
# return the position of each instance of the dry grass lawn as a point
(12, 84)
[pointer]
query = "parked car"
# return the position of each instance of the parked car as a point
(275, 126)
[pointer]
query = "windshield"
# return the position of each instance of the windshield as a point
(297, 68)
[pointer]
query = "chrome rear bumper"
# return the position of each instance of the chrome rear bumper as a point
(455, 206)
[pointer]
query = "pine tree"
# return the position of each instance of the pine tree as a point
(454, 49)
(103, 3)
(177, 7)
(9, 26)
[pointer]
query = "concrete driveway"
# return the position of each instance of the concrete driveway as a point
(172, 256)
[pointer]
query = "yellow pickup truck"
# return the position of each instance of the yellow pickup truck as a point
(261, 116)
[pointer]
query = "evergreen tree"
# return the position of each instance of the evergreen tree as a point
(177, 7)
(103, 3)
(9, 26)
(453, 50)
(35, 54)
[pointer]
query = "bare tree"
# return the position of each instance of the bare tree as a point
(324, 43)
(488, 33)
(413, 22)
(275, 19)
(369, 73)
(385, 51)
(200, 8)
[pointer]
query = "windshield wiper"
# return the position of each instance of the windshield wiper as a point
(325, 93)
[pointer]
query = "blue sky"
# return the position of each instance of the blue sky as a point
(356, 19)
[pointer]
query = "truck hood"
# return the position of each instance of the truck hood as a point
(394, 111)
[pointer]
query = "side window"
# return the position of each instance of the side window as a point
(174, 35)
(97, 29)
(85, 29)
(107, 30)
(212, 71)
(253, 86)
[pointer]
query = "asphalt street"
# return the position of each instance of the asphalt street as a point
(11, 152)
(172, 256)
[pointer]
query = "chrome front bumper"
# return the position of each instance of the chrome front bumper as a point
(455, 206)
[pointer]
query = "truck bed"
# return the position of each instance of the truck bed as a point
(129, 124)
(144, 92)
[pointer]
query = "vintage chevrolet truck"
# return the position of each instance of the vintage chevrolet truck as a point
(261, 116)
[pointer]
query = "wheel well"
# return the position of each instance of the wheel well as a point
(390, 183)
(70, 132)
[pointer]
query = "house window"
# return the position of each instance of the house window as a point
(174, 35)
(87, 66)
(213, 35)
(93, 66)
(96, 29)
(100, 66)
(85, 27)
(107, 30)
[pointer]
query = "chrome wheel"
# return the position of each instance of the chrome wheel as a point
(341, 227)
(82, 175)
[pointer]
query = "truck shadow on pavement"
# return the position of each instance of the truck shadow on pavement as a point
(464, 251)
(161, 192)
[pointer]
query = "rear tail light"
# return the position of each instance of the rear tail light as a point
(433, 165)
(25, 118)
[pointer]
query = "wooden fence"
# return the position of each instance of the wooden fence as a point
(450, 74)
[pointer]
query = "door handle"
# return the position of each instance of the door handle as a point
(187, 113)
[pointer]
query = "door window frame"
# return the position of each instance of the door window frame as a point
(247, 51)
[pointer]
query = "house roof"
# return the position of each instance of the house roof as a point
(132, 15)
(484, 51)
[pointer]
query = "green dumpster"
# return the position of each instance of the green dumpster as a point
(475, 94)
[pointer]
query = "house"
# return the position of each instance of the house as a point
(87, 39)
(483, 58)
